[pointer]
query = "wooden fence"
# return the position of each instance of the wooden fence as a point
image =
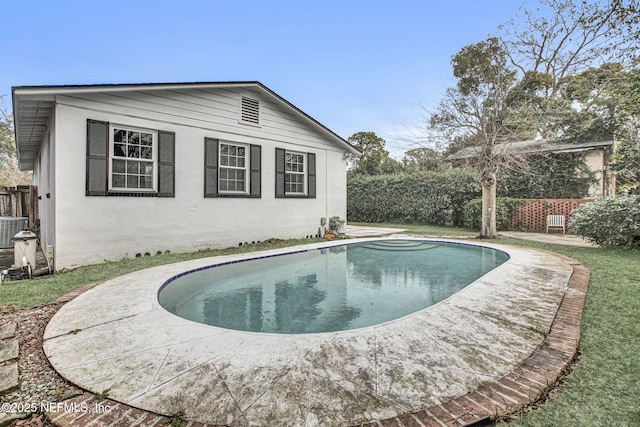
(21, 201)
(532, 215)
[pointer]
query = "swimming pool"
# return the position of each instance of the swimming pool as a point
(117, 337)
(331, 289)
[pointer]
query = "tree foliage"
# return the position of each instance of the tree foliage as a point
(10, 174)
(475, 110)
(574, 60)
(7, 144)
(626, 165)
(375, 160)
(560, 38)
(422, 159)
(564, 70)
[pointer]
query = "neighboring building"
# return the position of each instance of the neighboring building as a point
(135, 169)
(596, 155)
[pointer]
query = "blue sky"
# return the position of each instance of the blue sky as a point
(352, 65)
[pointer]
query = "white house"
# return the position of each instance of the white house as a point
(133, 169)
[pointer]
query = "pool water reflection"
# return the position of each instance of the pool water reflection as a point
(334, 289)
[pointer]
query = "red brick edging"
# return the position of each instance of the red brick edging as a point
(519, 389)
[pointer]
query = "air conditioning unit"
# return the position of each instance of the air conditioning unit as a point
(9, 227)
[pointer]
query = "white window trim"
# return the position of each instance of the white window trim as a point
(247, 150)
(304, 173)
(154, 159)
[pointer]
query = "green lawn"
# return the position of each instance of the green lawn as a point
(30, 293)
(604, 388)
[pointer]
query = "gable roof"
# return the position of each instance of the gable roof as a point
(530, 147)
(32, 107)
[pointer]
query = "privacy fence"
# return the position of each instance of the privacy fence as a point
(532, 214)
(20, 202)
(522, 214)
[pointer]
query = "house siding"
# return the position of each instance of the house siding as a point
(596, 161)
(93, 229)
(44, 180)
(215, 109)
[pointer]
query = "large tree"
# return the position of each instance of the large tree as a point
(579, 75)
(474, 111)
(564, 48)
(422, 159)
(375, 160)
(560, 71)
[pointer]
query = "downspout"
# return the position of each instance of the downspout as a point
(326, 185)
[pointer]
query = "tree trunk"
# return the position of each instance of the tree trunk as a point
(488, 183)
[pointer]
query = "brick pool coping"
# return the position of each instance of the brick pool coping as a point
(520, 388)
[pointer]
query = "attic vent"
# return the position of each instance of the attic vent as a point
(250, 111)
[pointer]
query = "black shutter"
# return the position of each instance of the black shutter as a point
(255, 182)
(166, 164)
(311, 175)
(210, 167)
(97, 158)
(280, 164)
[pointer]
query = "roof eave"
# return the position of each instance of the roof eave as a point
(49, 93)
(543, 146)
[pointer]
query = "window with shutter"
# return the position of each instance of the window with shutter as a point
(128, 161)
(295, 174)
(133, 159)
(231, 169)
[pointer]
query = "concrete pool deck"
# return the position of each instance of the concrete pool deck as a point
(116, 337)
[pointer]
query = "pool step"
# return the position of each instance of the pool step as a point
(401, 245)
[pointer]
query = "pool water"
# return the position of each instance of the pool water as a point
(324, 290)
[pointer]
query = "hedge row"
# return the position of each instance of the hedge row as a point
(432, 197)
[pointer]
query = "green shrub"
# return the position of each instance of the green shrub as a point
(505, 206)
(431, 197)
(609, 221)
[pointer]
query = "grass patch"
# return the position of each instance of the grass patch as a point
(31, 293)
(603, 390)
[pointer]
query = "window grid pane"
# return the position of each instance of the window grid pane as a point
(233, 170)
(294, 177)
(132, 162)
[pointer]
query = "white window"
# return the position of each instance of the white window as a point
(233, 168)
(132, 159)
(295, 173)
